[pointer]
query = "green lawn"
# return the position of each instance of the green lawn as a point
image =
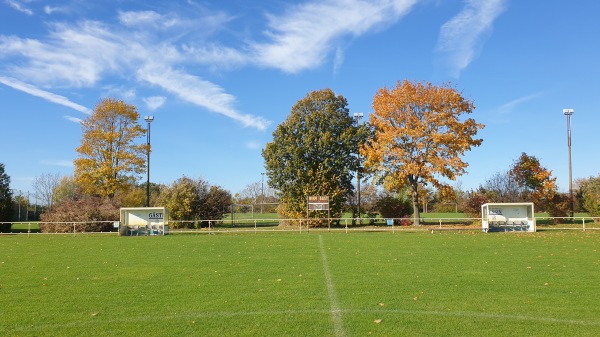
(310, 284)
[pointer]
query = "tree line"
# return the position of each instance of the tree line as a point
(406, 154)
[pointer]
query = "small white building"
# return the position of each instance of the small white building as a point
(144, 221)
(508, 217)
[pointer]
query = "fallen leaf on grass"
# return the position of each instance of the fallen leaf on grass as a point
(377, 321)
(381, 304)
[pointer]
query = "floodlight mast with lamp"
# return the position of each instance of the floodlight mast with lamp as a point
(149, 120)
(568, 113)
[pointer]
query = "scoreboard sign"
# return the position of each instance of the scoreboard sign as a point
(318, 203)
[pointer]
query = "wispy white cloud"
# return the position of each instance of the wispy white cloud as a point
(461, 38)
(510, 106)
(19, 6)
(302, 37)
(154, 102)
(73, 56)
(126, 94)
(197, 91)
(73, 119)
(205, 24)
(338, 60)
(32, 90)
(156, 48)
(253, 145)
(49, 10)
(216, 56)
(83, 54)
(135, 18)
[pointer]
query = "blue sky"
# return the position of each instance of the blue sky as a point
(219, 76)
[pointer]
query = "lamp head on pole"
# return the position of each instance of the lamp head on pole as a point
(149, 118)
(568, 112)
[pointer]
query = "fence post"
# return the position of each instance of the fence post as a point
(254, 226)
(583, 222)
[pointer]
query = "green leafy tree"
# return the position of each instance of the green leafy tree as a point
(66, 190)
(313, 152)
(590, 192)
(6, 202)
(393, 206)
(109, 159)
(190, 201)
(215, 204)
(182, 199)
(419, 136)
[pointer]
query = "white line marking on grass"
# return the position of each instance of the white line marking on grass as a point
(483, 315)
(190, 315)
(336, 313)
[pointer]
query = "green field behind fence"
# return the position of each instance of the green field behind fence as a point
(262, 220)
(309, 284)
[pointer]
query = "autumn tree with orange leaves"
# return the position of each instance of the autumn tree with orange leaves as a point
(109, 158)
(538, 185)
(419, 136)
(533, 177)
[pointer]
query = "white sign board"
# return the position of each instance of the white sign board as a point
(318, 203)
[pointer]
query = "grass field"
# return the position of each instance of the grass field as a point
(310, 284)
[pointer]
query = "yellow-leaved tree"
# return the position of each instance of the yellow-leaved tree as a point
(418, 137)
(109, 159)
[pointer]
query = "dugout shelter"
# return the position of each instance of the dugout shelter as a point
(136, 221)
(508, 217)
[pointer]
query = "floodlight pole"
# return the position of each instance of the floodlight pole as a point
(262, 195)
(149, 120)
(568, 113)
(357, 117)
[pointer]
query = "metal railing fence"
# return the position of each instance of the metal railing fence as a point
(301, 225)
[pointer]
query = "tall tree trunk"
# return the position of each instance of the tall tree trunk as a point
(414, 186)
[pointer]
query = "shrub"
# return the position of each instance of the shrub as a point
(405, 221)
(392, 207)
(86, 214)
(444, 208)
(558, 206)
(472, 201)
